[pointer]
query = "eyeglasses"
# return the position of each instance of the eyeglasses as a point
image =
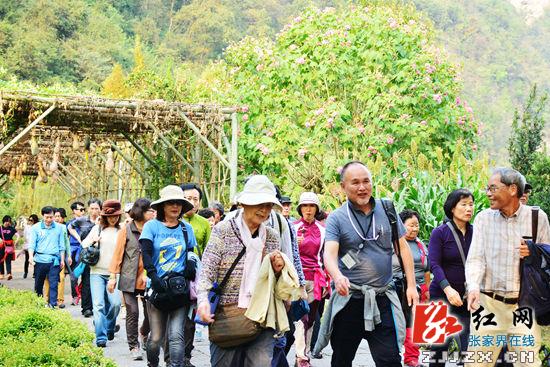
(494, 188)
(80, 209)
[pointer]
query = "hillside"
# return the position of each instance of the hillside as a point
(501, 45)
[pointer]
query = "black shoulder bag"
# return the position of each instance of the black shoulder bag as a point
(400, 284)
(177, 293)
(90, 254)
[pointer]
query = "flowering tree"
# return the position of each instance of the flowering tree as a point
(357, 82)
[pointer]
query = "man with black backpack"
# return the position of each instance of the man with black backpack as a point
(493, 274)
(358, 255)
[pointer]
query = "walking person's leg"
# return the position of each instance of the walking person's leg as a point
(86, 296)
(8, 266)
(74, 280)
(260, 351)
(175, 335)
(41, 270)
(112, 308)
(347, 333)
(2, 254)
(189, 336)
(61, 288)
(383, 339)
(158, 320)
(98, 289)
(53, 277)
(26, 265)
(132, 319)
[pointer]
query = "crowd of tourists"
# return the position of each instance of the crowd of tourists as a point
(264, 277)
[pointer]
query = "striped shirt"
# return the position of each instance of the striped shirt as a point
(493, 260)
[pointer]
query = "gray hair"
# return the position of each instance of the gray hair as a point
(509, 176)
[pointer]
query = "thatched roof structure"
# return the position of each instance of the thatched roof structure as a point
(95, 118)
(35, 127)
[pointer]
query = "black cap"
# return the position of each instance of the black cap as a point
(528, 187)
(285, 200)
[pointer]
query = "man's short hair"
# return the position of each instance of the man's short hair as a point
(206, 213)
(47, 210)
(192, 186)
(76, 204)
(348, 165)
(510, 176)
(95, 201)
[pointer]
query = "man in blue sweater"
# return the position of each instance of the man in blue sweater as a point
(47, 253)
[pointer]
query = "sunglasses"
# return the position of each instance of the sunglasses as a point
(80, 209)
(173, 202)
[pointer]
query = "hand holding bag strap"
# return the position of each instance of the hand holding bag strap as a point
(534, 222)
(458, 243)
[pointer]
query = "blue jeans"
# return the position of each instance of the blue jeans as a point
(105, 306)
(258, 352)
(172, 325)
(41, 271)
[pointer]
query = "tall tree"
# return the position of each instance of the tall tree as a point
(526, 137)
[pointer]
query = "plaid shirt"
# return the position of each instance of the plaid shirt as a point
(493, 259)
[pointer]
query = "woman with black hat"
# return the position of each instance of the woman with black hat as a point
(106, 306)
(164, 243)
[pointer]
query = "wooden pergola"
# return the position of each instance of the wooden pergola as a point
(94, 146)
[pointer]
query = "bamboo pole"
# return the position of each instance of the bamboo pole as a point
(234, 156)
(141, 151)
(169, 145)
(204, 139)
(27, 129)
(134, 166)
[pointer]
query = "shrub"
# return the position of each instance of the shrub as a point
(32, 335)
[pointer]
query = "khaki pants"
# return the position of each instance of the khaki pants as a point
(520, 353)
(60, 288)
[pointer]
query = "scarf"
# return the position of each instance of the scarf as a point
(252, 260)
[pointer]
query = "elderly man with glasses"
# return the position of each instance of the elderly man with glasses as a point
(493, 274)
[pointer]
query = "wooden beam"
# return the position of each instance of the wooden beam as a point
(169, 145)
(68, 172)
(205, 140)
(141, 151)
(132, 164)
(233, 169)
(27, 129)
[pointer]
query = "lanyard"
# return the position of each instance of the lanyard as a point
(364, 238)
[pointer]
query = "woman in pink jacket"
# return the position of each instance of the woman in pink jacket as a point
(311, 237)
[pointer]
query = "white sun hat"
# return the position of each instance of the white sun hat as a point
(169, 193)
(258, 190)
(308, 198)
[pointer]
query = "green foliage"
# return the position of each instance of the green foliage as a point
(356, 82)
(415, 182)
(29, 196)
(526, 137)
(539, 178)
(32, 335)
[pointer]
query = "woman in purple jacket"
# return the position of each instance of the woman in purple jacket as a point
(447, 264)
